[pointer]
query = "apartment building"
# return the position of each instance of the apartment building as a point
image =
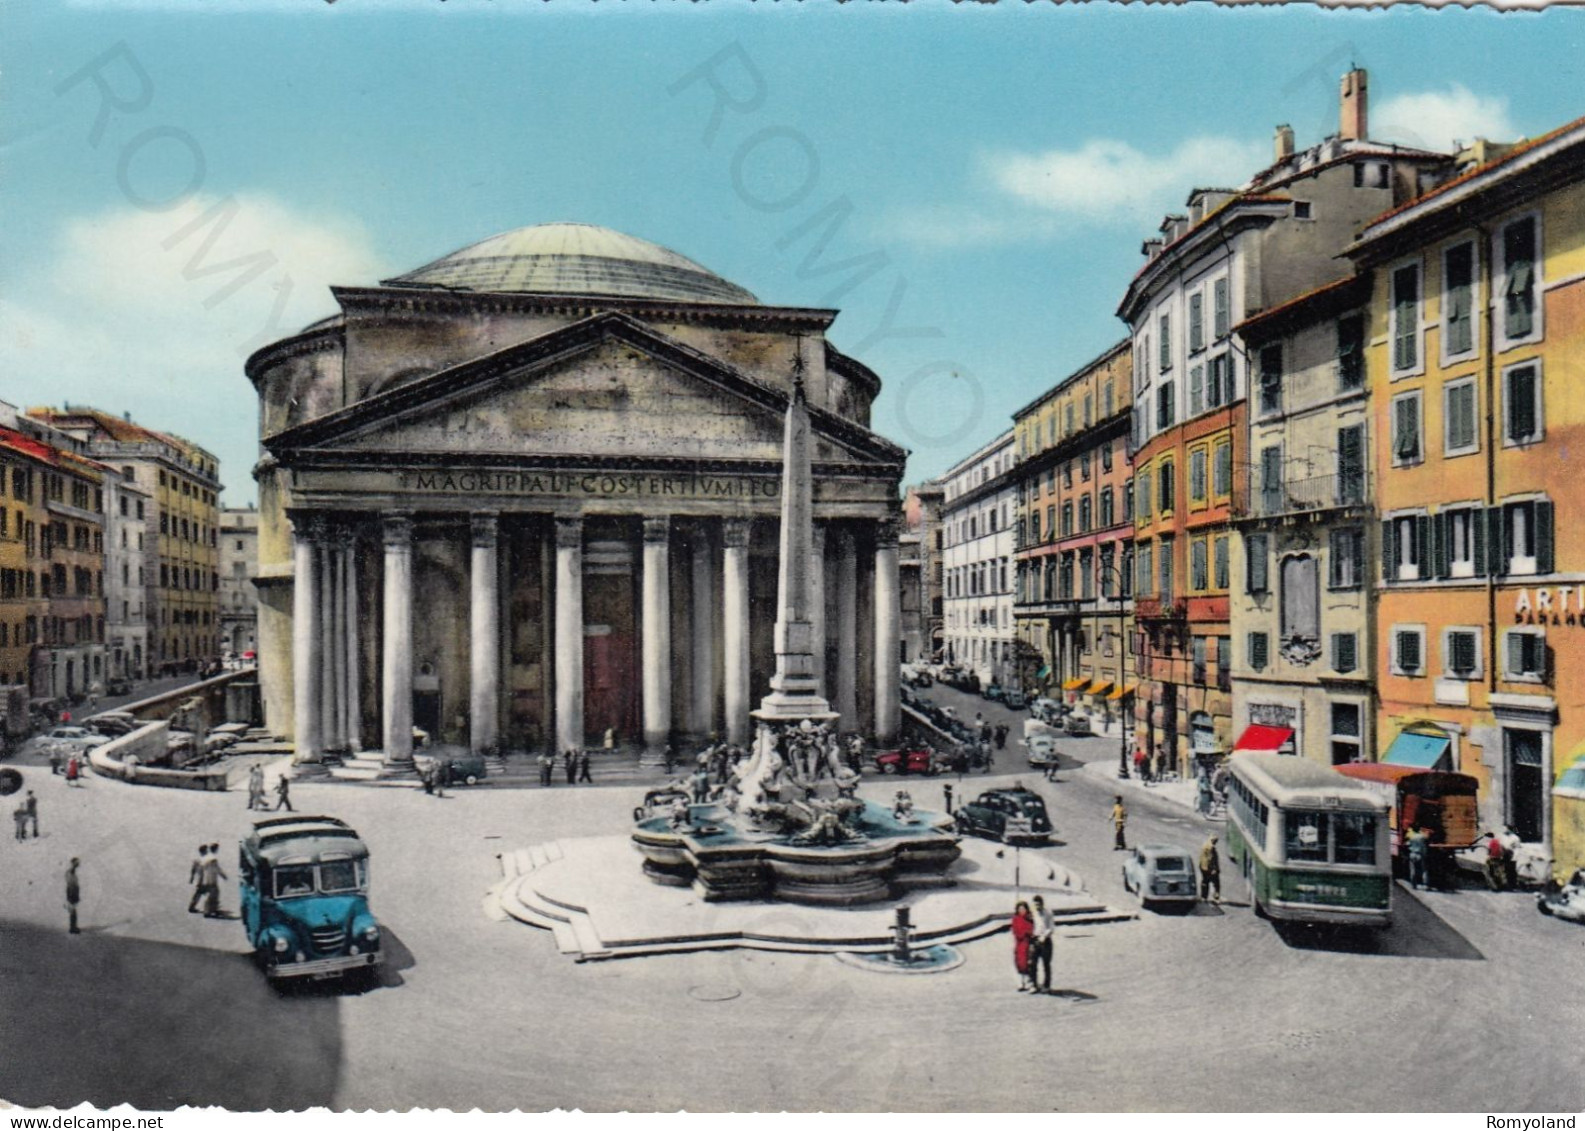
(1074, 538)
(978, 500)
(1233, 254)
(1475, 367)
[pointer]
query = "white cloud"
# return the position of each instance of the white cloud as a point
(1438, 119)
(129, 314)
(1106, 180)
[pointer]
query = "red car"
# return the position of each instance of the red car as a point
(922, 761)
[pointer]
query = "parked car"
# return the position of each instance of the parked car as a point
(917, 761)
(118, 686)
(465, 767)
(1014, 699)
(1160, 873)
(992, 691)
(1013, 816)
(1078, 725)
(81, 736)
(111, 725)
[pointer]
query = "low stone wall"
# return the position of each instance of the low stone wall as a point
(146, 744)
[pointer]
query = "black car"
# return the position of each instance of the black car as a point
(1012, 816)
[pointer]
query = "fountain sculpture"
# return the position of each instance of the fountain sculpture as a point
(789, 824)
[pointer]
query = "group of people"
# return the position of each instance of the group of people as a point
(1032, 945)
(256, 791)
(205, 876)
(69, 763)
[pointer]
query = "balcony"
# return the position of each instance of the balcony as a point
(1313, 495)
(1157, 608)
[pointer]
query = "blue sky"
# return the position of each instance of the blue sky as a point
(994, 168)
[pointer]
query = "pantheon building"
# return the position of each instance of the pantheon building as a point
(530, 492)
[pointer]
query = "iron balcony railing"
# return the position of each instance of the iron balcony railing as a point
(1292, 495)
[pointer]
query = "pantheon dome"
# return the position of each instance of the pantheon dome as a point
(574, 259)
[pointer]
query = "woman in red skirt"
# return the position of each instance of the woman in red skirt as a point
(1023, 933)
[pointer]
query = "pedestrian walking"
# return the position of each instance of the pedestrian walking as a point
(610, 738)
(1119, 820)
(547, 767)
(197, 875)
(583, 767)
(570, 764)
(73, 770)
(1510, 857)
(669, 759)
(73, 897)
(57, 763)
(31, 808)
(1210, 870)
(20, 815)
(1040, 955)
(701, 786)
(213, 874)
(1001, 736)
(1418, 846)
(1023, 934)
(946, 791)
(283, 793)
(256, 787)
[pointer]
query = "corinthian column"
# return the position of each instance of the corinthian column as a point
(396, 669)
(847, 614)
(817, 603)
(569, 634)
(306, 658)
(888, 617)
(702, 636)
(657, 639)
(484, 624)
(734, 628)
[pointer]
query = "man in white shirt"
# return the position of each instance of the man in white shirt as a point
(1041, 952)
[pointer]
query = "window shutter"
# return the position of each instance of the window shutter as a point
(1257, 650)
(1521, 404)
(1389, 552)
(1422, 537)
(1513, 647)
(1255, 548)
(1477, 534)
(1497, 547)
(1441, 539)
(1409, 651)
(1543, 536)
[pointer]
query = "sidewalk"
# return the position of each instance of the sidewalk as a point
(1184, 794)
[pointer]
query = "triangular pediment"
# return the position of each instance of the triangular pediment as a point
(604, 386)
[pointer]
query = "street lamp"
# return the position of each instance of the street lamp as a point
(1114, 570)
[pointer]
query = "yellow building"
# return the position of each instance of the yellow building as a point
(183, 572)
(22, 605)
(1476, 340)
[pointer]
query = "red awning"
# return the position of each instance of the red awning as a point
(1266, 738)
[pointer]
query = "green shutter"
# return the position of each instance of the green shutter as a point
(1477, 526)
(1440, 544)
(1501, 540)
(1543, 537)
(1389, 553)
(1422, 524)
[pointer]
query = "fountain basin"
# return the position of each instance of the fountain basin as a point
(722, 859)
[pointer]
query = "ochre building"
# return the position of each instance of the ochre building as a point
(530, 493)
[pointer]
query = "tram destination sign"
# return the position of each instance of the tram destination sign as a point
(588, 484)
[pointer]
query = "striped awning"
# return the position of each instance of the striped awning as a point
(1074, 684)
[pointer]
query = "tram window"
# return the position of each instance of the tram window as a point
(1356, 838)
(1306, 835)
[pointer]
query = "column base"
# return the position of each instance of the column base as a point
(654, 758)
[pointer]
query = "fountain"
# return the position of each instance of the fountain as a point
(789, 824)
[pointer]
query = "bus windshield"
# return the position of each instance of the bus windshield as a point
(338, 875)
(1306, 835)
(294, 880)
(1338, 838)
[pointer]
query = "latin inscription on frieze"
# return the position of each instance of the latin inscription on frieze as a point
(592, 484)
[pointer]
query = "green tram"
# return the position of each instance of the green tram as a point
(1313, 845)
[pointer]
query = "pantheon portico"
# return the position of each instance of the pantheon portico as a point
(530, 492)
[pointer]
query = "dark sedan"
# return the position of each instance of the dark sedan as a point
(1013, 816)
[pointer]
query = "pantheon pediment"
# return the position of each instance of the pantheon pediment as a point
(606, 385)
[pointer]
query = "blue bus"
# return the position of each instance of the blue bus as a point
(305, 905)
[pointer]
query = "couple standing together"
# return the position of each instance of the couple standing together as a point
(1032, 946)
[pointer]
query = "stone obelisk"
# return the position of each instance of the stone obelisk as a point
(795, 688)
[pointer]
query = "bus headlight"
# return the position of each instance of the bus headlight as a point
(281, 944)
(371, 933)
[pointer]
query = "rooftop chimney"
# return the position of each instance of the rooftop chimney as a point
(1284, 142)
(1352, 103)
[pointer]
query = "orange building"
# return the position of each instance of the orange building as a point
(1074, 539)
(1476, 341)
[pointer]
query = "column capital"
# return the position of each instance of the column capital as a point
(485, 526)
(311, 526)
(735, 532)
(397, 531)
(657, 528)
(569, 532)
(887, 532)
